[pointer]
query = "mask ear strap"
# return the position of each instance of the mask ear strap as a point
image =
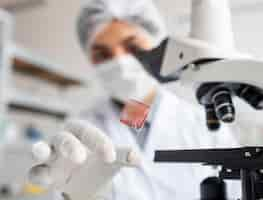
(152, 61)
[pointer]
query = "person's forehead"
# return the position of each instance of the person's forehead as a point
(116, 32)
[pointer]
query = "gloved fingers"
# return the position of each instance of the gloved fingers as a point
(67, 145)
(54, 173)
(95, 139)
(127, 156)
(41, 152)
(40, 175)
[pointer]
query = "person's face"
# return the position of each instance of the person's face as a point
(118, 39)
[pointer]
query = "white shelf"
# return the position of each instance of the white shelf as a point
(43, 104)
(16, 4)
(19, 62)
(42, 63)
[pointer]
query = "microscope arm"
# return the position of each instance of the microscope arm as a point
(246, 71)
(192, 61)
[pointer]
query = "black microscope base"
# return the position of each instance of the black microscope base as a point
(245, 164)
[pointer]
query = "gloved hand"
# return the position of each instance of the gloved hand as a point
(82, 162)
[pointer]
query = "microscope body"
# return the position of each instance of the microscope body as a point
(243, 164)
(207, 63)
(208, 54)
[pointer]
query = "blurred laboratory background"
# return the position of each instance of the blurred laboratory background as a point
(42, 67)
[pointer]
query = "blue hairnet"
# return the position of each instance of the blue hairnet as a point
(96, 13)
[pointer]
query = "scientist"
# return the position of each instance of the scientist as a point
(110, 32)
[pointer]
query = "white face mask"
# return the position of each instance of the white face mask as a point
(124, 78)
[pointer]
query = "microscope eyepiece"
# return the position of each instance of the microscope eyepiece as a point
(223, 104)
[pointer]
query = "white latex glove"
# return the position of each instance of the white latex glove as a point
(83, 161)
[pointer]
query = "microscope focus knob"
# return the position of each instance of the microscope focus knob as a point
(213, 188)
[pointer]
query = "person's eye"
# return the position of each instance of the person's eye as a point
(101, 56)
(133, 48)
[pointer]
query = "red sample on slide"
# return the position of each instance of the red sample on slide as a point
(134, 114)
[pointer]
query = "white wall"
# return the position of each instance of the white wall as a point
(248, 32)
(247, 19)
(50, 30)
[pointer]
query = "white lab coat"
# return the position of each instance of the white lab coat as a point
(175, 125)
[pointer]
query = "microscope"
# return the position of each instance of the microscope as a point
(207, 62)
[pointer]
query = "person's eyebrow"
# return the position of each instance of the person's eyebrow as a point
(100, 47)
(129, 39)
